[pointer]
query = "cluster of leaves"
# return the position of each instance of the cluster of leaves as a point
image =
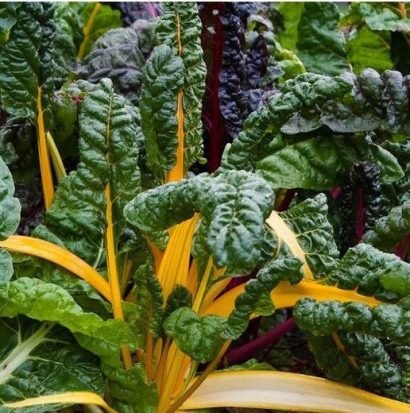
(158, 250)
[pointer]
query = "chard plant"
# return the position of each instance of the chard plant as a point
(138, 288)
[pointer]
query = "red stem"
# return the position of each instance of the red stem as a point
(402, 247)
(335, 192)
(287, 199)
(216, 129)
(151, 9)
(246, 351)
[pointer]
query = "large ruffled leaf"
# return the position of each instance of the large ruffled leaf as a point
(40, 358)
(34, 299)
(234, 205)
(180, 28)
(108, 154)
(162, 80)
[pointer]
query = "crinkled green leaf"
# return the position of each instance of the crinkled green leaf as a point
(109, 129)
(148, 295)
(366, 48)
(200, 338)
(9, 206)
(162, 80)
(25, 57)
(372, 272)
(179, 297)
(374, 368)
(38, 359)
(309, 221)
(320, 45)
(130, 389)
(268, 277)
(234, 204)
(345, 104)
(390, 229)
(325, 317)
(34, 299)
(180, 28)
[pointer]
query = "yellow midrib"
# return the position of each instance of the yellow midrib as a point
(44, 159)
(86, 31)
(177, 172)
(112, 269)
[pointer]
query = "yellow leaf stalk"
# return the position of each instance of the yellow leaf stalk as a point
(286, 391)
(87, 30)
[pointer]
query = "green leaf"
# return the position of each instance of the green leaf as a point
(109, 130)
(198, 337)
(105, 19)
(180, 28)
(316, 163)
(39, 359)
(163, 78)
(378, 17)
(130, 389)
(34, 299)
(9, 206)
(325, 317)
(309, 221)
(372, 272)
(291, 13)
(320, 45)
(25, 57)
(389, 230)
(234, 204)
(366, 48)
(268, 277)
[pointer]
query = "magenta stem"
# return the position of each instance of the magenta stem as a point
(287, 199)
(336, 192)
(151, 9)
(402, 247)
(246, 351)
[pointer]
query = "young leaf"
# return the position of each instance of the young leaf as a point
(200, 338)
(162, 80)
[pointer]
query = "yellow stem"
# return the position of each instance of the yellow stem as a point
(58, 164)
(286, 295)
(75, 397)
(202, 286)
(177, 172)
(60, 256)
(86, 31)
(44, 160)
(351, 360)
(209, 369)
(113, 273)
